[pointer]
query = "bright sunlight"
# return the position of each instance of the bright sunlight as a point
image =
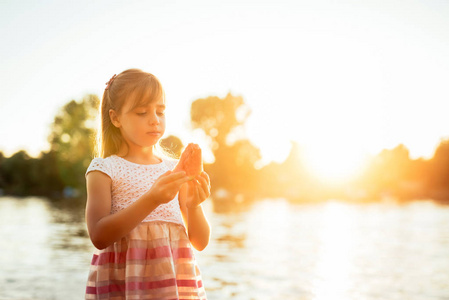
(334, 164)
(334, 268)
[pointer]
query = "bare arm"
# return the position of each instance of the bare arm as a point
(191, 196)
(104, 228)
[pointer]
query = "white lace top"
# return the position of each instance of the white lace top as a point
(131, 180)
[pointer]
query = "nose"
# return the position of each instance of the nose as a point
(153, 119)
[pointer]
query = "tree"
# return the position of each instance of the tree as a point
(437, 179)
(288, 179)
(72, 139)
(222, 120)
(16, 172)
(50, 182)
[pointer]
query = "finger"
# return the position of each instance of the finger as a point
(175, 186)
(166, 173)
(191, 189)
(203, 187)
(206, 189)
(197, 191)
(206, 176)
(177, 175)
(203, 182)
(201, 193)
(160, 178)
(170, 177)
(177, 183)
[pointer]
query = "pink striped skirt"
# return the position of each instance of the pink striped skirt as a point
(154, 261)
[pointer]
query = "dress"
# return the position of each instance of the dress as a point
(155, 260)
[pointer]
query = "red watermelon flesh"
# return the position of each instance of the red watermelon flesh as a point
(190, 161)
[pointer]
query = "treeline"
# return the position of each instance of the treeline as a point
(21, 175)
(59, 172)
(390, 175)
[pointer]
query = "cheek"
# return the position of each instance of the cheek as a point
(135, 123)
(162, 122)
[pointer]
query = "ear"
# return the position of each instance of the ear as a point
(114, 118)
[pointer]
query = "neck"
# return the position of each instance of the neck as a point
(140, 155)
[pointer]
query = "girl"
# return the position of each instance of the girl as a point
(136, 206)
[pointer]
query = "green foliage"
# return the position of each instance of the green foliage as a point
(72, 139)
(16, 174)
(222, 121)
(22, 175)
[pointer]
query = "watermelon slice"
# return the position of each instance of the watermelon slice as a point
(190, 161)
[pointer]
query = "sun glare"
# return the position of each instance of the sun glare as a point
(334, 165)
(333, 272)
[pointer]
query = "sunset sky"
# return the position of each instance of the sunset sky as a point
(344, 79)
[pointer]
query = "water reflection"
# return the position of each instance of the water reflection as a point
(333, 279)
(44, 251)
(268, 250)
(330, 251)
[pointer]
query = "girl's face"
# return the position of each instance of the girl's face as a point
(141, 126)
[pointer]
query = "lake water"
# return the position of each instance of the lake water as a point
(271, 249)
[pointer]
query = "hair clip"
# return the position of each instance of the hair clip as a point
(108, 84)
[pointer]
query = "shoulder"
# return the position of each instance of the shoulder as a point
(104, 165)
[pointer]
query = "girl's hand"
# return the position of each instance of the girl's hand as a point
(167, 186)
(198, 190)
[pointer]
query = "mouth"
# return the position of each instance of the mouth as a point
(153, 133)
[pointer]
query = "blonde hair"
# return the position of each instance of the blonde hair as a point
(130, 85)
